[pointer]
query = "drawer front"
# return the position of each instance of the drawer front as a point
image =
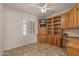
(42, 39)
(49, 39)
(72, 51)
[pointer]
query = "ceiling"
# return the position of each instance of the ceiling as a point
(32, 8)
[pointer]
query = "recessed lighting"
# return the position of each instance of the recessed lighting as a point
(43, 10)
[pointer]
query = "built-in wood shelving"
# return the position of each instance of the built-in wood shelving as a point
(49, 26)
(57, 25)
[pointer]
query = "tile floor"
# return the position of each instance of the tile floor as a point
(36, 49)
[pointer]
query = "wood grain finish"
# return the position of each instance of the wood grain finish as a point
(72, 51)
(42, 38)
(52, 33)
(49, 30)
(49, 39)
(64, 21)
(70, 19)
(57, 40)
(75, 16)
(73, 47)
(78, 15)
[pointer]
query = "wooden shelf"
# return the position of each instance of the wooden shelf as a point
(57, 20)
(57, 25)
(49, 26)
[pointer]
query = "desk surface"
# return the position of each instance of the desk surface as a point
(73, 42)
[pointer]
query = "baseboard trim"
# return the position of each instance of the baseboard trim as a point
(21, 45)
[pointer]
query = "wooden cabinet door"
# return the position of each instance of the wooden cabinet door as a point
(78, 15)
(71, 19)
(75, 18)
(49, 39)
(67, 20)
(57, 40)
(64, 21)
(42, 38)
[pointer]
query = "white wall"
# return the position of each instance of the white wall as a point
(1, 28)
(14, 27)
(72, 32)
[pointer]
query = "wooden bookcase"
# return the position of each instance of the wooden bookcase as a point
(57, 41)
(41, 37)
(49, 30)
(49, 26)
(57, 25)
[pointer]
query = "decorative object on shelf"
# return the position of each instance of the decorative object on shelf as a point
(43, 22)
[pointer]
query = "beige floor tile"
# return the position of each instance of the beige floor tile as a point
(36, 49)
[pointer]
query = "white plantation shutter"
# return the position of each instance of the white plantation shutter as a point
(30, 27)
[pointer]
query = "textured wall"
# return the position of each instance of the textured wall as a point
(13, 33)
(1, 28)
(72, 32)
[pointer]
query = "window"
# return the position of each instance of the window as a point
(24, 27)
(31, 27)
(28, 27)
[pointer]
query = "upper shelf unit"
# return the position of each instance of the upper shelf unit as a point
(57, 25)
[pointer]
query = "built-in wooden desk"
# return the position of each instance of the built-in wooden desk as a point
(73, 47)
